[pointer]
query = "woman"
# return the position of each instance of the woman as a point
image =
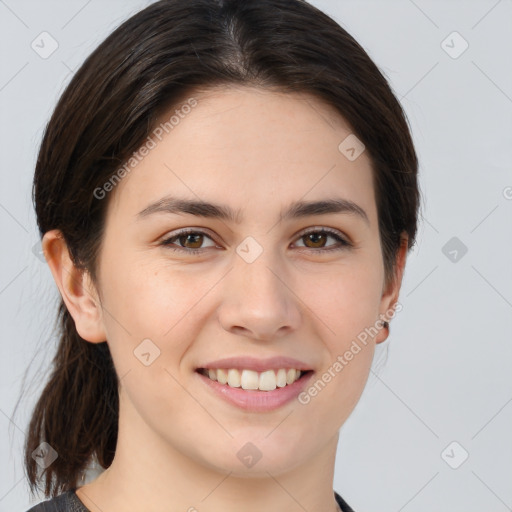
(226, 194)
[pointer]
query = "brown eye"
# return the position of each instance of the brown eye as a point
(190, 241)
(317, 239)
(196, 239)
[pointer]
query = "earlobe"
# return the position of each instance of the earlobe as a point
(76, 288)
(391, 293)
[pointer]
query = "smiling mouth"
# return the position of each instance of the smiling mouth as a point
(256, 381)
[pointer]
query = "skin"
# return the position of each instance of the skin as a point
(258, 151)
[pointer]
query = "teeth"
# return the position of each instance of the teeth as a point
(249, 379)
(222, 376)
(281, 378)
(234, 378)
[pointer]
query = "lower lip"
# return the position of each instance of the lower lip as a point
(254, 400)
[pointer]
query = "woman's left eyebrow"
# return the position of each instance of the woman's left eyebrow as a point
(298, 209)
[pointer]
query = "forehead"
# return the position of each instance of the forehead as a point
(248, 148)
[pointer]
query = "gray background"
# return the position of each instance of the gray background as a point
(443, 375)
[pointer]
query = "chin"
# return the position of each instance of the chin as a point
(256, 460)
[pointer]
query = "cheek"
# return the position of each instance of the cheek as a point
(346, 302)
(346, 299)
(149, 298)
(156, 305)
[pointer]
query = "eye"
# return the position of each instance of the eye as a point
(187, 236)
(319, 237)
(195, 237)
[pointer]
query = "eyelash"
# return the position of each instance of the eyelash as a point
(167, 243)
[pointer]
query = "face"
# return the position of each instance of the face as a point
(261, 285)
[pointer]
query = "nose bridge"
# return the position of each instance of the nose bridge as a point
(258, 267)
(257, 296)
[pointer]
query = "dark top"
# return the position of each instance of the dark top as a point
(70, 502)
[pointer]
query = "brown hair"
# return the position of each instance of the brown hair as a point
(147, 65)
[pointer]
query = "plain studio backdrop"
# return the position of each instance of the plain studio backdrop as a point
(432, 428)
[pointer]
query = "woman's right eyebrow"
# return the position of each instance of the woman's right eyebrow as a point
(298, 209)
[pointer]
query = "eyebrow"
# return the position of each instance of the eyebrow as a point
(296, 210)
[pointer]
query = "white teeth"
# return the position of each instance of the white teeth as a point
(249, 379)
(291, 376)
(281, 378)
(234, 378)
(222, 376)
(267, 380)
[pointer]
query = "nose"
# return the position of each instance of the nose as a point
(258, 300)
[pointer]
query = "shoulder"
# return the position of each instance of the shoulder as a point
(66, 502)
(342, 503)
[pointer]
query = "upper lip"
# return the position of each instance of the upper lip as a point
(257, 365)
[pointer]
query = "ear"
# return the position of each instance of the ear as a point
(76, 288)
(391, 293)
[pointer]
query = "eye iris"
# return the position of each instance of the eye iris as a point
(192, 235)
(315, 236)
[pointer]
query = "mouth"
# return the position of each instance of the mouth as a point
(250, 380)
